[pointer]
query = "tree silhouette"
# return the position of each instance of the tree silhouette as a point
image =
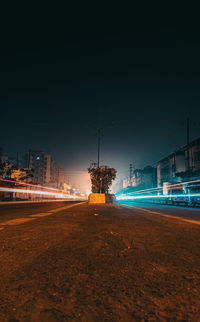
(101, 178)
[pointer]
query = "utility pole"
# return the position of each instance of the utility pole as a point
(188, 144)
(99, 143)
(99, 136)
(130, 172)
(29, 156)
(17, 161)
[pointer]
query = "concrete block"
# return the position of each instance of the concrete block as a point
(97, 198)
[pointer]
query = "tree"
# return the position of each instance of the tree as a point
(5, 169)
(101, 178)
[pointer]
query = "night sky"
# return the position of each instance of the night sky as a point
(66, 71)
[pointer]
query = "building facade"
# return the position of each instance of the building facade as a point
(144, 178)
(141, 179)
(169, 167)
(194, 155)
(38, 163)
(125, 183)
(181, 165)
(44, 170)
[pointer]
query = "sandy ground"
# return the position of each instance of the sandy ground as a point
(98, 263)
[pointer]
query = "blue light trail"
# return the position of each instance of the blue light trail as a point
(125, 197)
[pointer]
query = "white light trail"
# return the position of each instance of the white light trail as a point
(169, 186)
(124, 197)
(28, 184)
(45, 193)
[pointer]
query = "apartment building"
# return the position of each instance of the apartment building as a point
(181, 165)
(43, 169)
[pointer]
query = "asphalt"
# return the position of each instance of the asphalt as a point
(78, 262)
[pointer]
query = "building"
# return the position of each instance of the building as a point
(3, 159)
(194, 155)
(62, 178)
(39, 164)
(53, 175)
(144, 178)
(126, 182)
(141, 179)
(181, 165)
(169, 167)
(44, 171)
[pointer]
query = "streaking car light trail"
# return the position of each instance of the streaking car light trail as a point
(26, 184)
(169, 186)
(46, 193)
(124, 197)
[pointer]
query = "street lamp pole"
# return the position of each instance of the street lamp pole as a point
(99, 142)
(188, 144)
(99, 136)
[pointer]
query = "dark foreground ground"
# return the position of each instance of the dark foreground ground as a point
(99, 263)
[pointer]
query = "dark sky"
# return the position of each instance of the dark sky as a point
(65, 71)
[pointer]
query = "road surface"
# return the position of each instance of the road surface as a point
(80, 262)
